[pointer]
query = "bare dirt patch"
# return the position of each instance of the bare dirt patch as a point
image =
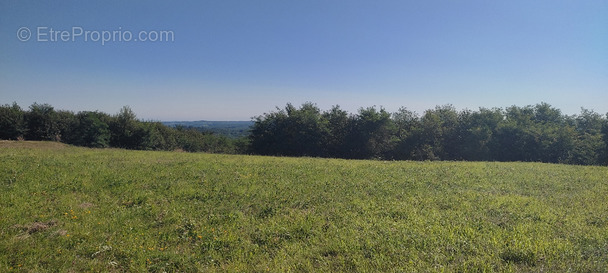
(36, 226)
(86, 205)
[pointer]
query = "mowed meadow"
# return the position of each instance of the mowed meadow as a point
(70, 209)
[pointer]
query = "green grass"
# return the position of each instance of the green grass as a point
(69, 209)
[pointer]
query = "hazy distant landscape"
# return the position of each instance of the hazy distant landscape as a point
(234, 129)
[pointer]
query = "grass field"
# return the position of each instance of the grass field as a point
(68, 209)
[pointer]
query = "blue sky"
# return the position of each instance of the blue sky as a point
(231, 60)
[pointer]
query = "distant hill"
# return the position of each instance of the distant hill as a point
(234, 129)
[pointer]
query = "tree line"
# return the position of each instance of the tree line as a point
(100, 130)
(538, 133)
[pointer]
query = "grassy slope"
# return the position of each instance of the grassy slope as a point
(75, 209)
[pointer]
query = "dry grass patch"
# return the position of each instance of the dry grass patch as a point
(86, 205)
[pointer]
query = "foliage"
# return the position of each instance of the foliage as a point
(11, 122)
(290, 132)
(100, 130)
(40, 122)
(91, 130)
(372, 134)
(124, 127)
(537, 133)
(70, 209)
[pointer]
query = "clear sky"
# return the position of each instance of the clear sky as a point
(231, 60)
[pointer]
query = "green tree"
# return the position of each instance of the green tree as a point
(311, 130)
(339, 124)
(92, 130)
(604, 157)
(373, 134)
(438, 137)
(155, 136)
(125, 129)
(12, 125)
(65, 124)
(268, 133)
(476, 130)
(589, 144)
(517, 137)
(290, 132)
(545, 113)
(407, 133)
(40, 122)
